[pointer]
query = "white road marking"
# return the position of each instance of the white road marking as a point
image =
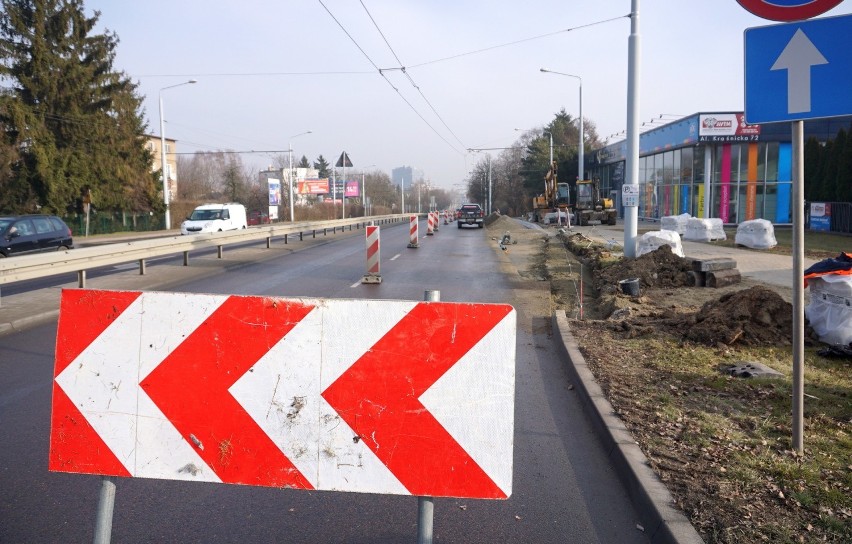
(356, 284)
(395, 257)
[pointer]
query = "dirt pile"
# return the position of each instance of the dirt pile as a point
(752, 317)
(659, 268)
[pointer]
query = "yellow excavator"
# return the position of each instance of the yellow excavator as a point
(556, 196)
(590, 208)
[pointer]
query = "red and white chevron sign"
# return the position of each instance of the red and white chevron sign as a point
(369, 396)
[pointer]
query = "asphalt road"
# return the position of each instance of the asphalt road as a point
(564, 489)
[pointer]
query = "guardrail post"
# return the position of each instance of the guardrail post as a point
(300, 237)
(285, 240)
(269, 241)
(219, 252)
(81, 279)
(186, 258)
(141, 267)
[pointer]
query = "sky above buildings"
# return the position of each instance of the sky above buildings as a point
(267, 72)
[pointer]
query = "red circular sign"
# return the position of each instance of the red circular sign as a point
(788, 10)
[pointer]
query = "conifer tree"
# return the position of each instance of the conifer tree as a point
(73, 119)
(322, 165)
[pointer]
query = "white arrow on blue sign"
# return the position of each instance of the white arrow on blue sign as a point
(797, 71)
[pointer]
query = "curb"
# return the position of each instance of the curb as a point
(664, 522)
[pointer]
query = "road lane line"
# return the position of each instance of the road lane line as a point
(395, 257)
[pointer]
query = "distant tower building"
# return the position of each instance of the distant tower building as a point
(403, 174)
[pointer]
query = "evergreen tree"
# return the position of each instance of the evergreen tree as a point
(74, 120)
(304, 163)
(832, 168)
(843, 182)
(822, 175)
(813, 183)
(322, 165)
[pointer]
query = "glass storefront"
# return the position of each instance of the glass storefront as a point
(750, 174)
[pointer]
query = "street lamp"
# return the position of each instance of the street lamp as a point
(364, 188)
(290, 171)
(582, 138)
(551, 145)
(163, 164)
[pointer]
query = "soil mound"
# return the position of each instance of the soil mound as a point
(752, 317)
(659, 268)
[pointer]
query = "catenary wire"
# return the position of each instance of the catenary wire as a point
(381, 72)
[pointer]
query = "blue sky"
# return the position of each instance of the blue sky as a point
(268, 71)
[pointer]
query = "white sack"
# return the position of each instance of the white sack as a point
(756, 234)
(676, 223)
(704, 230)
(651, 241)
(830, 309)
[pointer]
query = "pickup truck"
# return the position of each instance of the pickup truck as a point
(471, 214)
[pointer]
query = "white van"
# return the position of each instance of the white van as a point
(215, 218)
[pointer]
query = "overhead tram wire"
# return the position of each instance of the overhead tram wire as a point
(541, 36)
(381, 73)
(410, 79)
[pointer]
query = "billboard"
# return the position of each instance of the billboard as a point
(313, 187)
(274, 191)
(353, 189)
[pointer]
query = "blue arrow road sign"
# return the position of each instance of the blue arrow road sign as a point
(800, 70)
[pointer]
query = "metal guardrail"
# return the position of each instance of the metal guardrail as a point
(29, 267)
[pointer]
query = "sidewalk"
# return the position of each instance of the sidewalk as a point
(752, 263)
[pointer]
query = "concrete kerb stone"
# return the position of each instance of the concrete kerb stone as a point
(663, 522)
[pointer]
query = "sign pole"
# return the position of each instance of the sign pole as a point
(426, 505)
(106, 505)
(798, 285)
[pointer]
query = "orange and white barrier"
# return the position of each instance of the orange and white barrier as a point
(436, 221)
(430, 224)
(373, 274)
(412, 233)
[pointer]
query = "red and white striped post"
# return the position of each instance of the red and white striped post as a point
(430, 224)
(436, 221)
(412, 233)
(445, 214)
(373, 274)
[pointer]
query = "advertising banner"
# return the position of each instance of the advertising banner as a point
(821, 216)
(274, 191)
(353, 189)
(313, 187)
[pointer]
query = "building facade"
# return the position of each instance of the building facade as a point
(711, 165)
(154, 145)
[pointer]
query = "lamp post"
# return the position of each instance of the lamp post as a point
(163, 164)
(582, 137)
(290, 171)
(364, 188)
(551, 145)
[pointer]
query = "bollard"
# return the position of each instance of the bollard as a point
(412, 233)
(430, 227)
(436, 220)
(373, 274)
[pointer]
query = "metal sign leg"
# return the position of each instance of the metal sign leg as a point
(106, 504)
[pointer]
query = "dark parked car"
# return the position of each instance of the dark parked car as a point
(33, 233)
